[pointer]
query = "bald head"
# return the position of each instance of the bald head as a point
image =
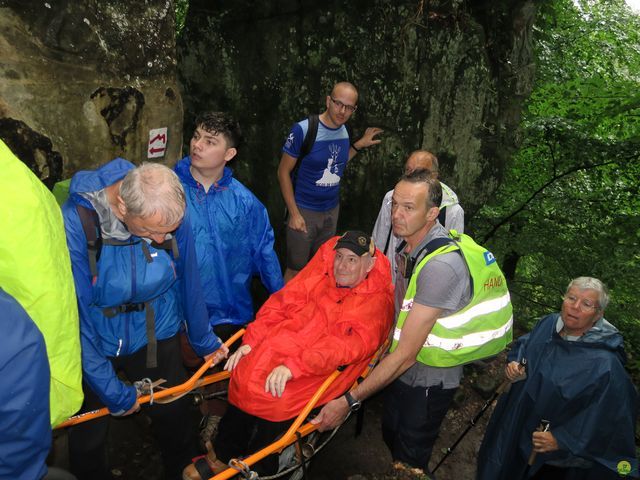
(422, 160)
(347, 88)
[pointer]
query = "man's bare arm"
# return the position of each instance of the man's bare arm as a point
(416, 328)
(365, 141)
(286, 166)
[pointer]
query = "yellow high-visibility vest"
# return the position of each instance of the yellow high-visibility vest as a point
(481, 329)
(35, 269)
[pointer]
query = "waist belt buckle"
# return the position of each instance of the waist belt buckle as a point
(133, 307)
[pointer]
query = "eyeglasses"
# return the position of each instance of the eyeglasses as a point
(340, 105)
(585, 306)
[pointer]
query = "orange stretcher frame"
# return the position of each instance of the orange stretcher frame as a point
(176, 391)
(295, 431)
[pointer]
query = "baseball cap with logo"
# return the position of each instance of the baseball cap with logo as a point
(358, 242)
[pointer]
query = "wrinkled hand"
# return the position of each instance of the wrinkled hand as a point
(218, 355)
(296, 222)
(332, 414)
(368, 138)
(544, 442)
(134, 409)
(277, 380)
(514, 371)
(236, 356)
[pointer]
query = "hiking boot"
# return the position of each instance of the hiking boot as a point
(204, 467)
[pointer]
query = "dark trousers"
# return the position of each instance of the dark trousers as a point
(411, 421)
(171, 423)
(241, 434)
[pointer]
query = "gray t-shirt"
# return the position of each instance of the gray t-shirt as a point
(444, 282)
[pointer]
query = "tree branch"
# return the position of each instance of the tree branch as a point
(549, 182)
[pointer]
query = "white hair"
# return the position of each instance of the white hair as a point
(590, 283)
(153, 188)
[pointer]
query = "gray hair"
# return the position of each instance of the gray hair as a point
(152, 188)
(434, 196)
(590, 283)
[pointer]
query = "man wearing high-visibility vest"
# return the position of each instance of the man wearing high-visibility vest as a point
(452, 307)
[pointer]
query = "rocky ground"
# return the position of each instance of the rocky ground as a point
(134, 455)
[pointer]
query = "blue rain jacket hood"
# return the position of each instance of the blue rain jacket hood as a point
(124, 276)
(582, 388)
(234, 242)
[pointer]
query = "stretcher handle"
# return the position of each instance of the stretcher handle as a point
(303, 430)
(187, 386)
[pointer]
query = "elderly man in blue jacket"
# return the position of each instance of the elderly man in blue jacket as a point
(136, 277)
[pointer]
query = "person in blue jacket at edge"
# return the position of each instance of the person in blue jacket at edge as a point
(574, 378)
(133, 289)
(24, 394)
(231, 228)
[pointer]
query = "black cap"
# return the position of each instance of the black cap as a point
(358, 242)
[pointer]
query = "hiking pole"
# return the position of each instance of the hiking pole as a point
(499, 391)
(543, 427)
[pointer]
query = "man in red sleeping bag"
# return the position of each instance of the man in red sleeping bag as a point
(336, 312)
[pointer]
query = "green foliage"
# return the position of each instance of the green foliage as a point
(569, 205)
(181, 8)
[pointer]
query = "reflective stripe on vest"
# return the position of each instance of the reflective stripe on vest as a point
(470, 340)
(482, 328)
(483, 308)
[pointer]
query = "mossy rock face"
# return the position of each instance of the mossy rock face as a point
(84, 82)
(449, 77)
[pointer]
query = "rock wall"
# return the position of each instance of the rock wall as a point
(84, 82)
(448, 76)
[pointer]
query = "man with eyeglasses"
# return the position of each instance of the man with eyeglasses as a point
(575, 379)
(442, 322)
(451, 215)
(310, 180)
(136, 279)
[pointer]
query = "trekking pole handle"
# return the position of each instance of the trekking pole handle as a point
(543, 427)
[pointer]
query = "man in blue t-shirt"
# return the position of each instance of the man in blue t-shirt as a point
(313, 208)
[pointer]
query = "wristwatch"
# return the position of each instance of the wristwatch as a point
(354, 405)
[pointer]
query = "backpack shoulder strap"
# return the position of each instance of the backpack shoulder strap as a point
(349, 132)
(442, 216)
(386, 244)
(310, 137)
(307, 144)
(91, 227)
